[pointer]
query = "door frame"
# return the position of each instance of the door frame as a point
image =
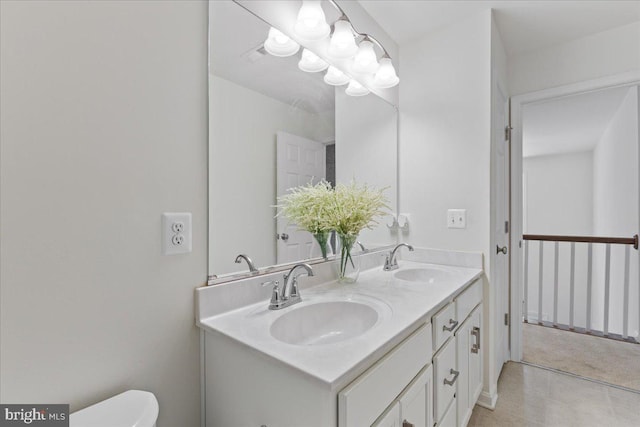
(518, 102)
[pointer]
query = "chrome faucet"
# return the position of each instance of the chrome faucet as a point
(252, 268)
(391, 263)
(289, 294)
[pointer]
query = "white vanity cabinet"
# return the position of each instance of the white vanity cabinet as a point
(402, 372)
(414, 407)
(396, 389)
(457, 359)
(469, 364)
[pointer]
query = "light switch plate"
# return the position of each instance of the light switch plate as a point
(176, 233)
(457, 218)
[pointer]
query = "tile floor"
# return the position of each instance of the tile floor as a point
(531, 396)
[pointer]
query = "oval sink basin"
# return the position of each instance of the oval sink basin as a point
(324, 323)
(424, 275)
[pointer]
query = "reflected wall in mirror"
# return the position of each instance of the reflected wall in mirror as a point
(256, 99)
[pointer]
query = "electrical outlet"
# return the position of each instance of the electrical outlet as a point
(457, 218)
(176, 233)
(177, 227)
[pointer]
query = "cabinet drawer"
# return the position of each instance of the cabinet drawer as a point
(362, 401)
(467, 300)
(444, 323)
(445, 379)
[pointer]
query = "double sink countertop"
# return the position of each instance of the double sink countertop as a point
(399, 306)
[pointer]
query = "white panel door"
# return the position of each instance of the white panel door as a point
(501, 226)
(299, 161)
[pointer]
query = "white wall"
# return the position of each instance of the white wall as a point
(610, 52)
(367, 152)
(242, 179)
(445, 146)
(445, 134)
(559, 193)
(104, 125)
(616, 203)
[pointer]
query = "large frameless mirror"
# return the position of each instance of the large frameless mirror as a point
(273, 126)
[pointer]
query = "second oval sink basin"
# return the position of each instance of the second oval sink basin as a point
(324, 322)
(424, 275)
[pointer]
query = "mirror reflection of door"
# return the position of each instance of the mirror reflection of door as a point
(299, 161)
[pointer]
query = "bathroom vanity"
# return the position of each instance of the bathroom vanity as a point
(397, 348)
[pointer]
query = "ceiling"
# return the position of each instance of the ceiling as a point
(570, 124)
(524, 25)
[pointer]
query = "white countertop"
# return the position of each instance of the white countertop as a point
(403, 306)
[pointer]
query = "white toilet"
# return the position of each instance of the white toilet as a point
(133, 408)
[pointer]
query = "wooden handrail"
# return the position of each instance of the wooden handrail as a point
(584, 239)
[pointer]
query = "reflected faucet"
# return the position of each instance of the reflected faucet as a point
(289, 293)
(252, 268)
(391, 263)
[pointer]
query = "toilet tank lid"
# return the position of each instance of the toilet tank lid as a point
(133, 408)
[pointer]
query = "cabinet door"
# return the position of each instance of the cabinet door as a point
(391, 418)
(469, 364)
(449, 417)
(475, 357)
(416, 404)
(445, 379)
(463, 343)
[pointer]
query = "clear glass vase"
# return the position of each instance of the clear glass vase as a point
(322, 238)
(349, 266)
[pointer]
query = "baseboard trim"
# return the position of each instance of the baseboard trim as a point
(486, 400)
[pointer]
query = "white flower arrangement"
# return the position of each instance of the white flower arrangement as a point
(307, 206)
(347, 209)
(355, 208)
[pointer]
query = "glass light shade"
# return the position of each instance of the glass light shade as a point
(365, 60)
(386, 75)
(343, 44)
(311, 23)
(311, 63)
(356, 89)
(278, 44)
(335, 77)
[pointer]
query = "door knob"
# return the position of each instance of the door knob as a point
(501, 249)
(284, 237)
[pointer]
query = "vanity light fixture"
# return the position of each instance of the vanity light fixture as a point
(312, 63)
(365, 60)
(311, 23)
(278, 44)
(335, 77)
(352, 50)
(343, 43)
(356, 89)
(386, 75)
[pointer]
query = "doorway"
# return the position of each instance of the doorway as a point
(558, 281)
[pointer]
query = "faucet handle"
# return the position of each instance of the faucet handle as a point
(387, 263)
(275, 293)
(294, 288)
